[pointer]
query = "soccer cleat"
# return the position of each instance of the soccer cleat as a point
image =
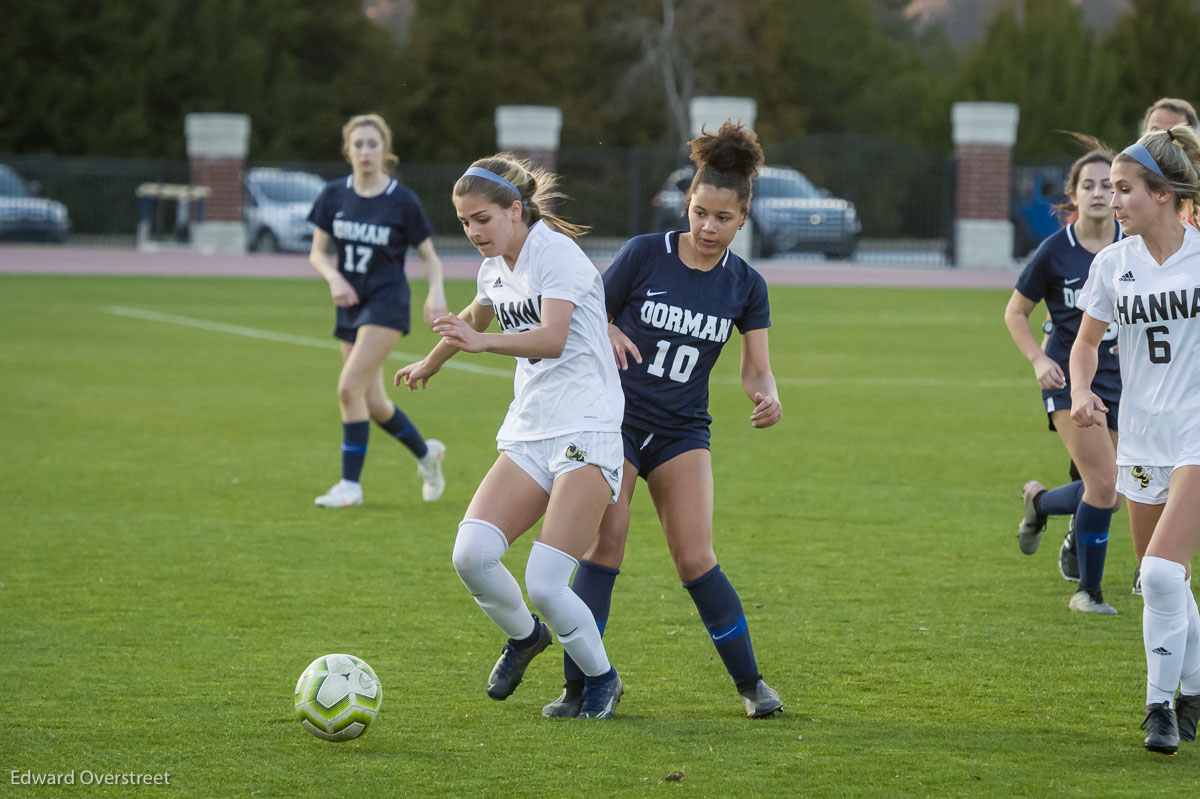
(1137, 581)
(568, 704)
(1187, 713)
(1087, 600)
(1068, 556)
(344, 494)
(599, 700)
(761, 701)
(1029, 534)
(1162, 730)
(430, 468)
(510, 667)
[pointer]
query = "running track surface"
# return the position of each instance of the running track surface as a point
(55, 260)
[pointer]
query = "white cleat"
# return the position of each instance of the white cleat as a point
(344, 494)
(430, 469)
(1085, 601)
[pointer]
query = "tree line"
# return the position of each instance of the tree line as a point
(90, 77)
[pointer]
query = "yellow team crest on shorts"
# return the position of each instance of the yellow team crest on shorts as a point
(575, 453)
(1141, 474)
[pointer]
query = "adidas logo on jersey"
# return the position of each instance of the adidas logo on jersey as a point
(1126, 278)
(497, 284)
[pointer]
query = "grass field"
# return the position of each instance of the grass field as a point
(166, 578)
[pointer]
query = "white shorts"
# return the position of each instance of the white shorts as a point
(1145, 484)
(548, 459)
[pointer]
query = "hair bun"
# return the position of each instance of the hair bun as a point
(733, 148)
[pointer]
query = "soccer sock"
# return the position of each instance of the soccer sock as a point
(1189, 677)
(593, 583)
(1164, 626)
(354, 449)
(404, 431)
(721, 611)
(477, 552)
(1091, 541)
(1061, 501)
(547, 579)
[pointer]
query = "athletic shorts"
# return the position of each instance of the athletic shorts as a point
(1059, 399)
(1146, 484)
(387, 306)
(647, 451)
(550, 458)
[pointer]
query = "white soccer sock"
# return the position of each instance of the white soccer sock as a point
(1189, 678)
(1164, 626)
(548, 581)
(477, 551)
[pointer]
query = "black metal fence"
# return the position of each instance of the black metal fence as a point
(904, 194)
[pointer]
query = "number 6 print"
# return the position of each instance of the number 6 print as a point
(681, 367)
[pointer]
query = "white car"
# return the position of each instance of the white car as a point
(276, 208)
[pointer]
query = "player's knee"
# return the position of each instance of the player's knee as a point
(347, 392)
(477, 548)
(547, 579)
(690, 565)
(1160, 576)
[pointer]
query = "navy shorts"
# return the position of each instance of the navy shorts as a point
(1059, 399)
(387, 306)
(647, 451)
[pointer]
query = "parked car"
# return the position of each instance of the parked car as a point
(276, 209)
(790, 214)
(26, 217)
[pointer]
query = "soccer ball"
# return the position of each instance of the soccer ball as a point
(338, 697)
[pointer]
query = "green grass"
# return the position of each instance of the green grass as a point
(165, 577)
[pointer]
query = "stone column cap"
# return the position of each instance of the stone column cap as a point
(217, 135)
(528, 127)
(712, 111)
(985, 123)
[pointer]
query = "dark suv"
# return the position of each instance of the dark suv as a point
(27, 217)
(789, 213)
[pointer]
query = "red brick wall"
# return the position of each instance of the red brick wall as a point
(983, 182)
(223, 176)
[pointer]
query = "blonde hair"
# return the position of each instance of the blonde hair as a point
(389, 158)
(1177, 153)
(1175, 106)
(538, 189)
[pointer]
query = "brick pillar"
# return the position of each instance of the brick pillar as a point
(216, 146)
(530, 131)
(984, 134)
(710, 113)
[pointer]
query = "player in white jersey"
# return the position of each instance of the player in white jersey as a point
(1149, 284)
(560, 444)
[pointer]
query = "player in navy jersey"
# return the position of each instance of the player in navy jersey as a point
(1055, 274)
(1150, 284)
(675, 300)
(365, 223)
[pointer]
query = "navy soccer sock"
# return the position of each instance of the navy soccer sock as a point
(1091, 538)
(354, 449)
(593, 583)
(1061, 501)
(721, 611)
(404, 431)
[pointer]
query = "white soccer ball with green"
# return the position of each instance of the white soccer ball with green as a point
(338, 697)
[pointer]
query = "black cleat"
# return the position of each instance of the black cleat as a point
(599, 700)
(1162, 730)
(761, 701)
(1029, 533)
(566, 706)
(510, 668)
(1068, 556)
(1187, 713)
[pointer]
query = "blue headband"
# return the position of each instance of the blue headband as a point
(486, 174)
(1138, 152)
